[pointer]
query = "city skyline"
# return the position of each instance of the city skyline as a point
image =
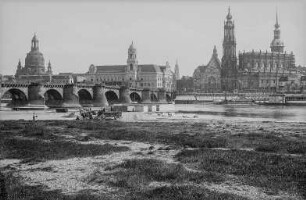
(92, 33)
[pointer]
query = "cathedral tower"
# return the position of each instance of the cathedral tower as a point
(277, 45)
(132, 64)
(229, 59)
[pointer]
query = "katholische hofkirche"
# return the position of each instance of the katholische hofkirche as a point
(252, 71)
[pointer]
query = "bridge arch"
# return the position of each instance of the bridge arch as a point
(135, 97)
(153, 97)
(85, 97)
(111, 97)
(53, 98)
(17, 96)
(168, 98)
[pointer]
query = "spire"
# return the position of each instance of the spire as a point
(215, 53)
(229, 15)
(276, 23)
(49, 70)
(277, 44)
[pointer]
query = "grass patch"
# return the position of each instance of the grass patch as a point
(138, 173)
(270, 171)
(39, 150)
(187, 192)
(18, 191)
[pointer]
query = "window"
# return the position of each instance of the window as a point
(131, 67)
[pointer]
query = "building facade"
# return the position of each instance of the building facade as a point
(208, 78)
(132, 74)
(273, 71)
(185, 85)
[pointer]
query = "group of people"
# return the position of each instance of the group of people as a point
(87, 113)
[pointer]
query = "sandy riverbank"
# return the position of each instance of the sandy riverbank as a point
(143, 160)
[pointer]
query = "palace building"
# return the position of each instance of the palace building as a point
(132, 74)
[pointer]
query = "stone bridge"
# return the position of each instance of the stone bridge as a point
(76, 95)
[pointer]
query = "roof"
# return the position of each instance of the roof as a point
(110, 68)
(121, 68)
(202, 68)
(150, 68)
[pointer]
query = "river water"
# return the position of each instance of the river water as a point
(198, 111)
(246, 112)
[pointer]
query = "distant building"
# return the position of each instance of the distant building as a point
(7, 78)
(207, 78)
(185, 85)
(258, 71)
(268, 71)
(132, 74)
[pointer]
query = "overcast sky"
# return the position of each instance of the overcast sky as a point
(75, 34)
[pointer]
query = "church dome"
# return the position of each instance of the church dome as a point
(34, 61)
(35, 58)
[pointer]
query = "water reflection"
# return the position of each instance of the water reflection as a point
(245, 112)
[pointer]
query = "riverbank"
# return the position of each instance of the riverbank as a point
(212, 159)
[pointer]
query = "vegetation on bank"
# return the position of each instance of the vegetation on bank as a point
(266, 155)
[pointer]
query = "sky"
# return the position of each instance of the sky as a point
(75, 34)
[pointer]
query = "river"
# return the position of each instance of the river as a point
(200, 111)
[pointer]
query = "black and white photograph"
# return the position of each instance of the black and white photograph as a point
(153, 100)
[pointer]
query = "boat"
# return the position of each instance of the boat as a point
(273, 99)
(295, 99)
(285, 99)
(61, 110)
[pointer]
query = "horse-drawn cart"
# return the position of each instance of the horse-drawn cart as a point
(99, 115)
(111, 115)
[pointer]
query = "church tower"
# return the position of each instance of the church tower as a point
(49, 69)
(277, 45)
(19, 69)
(229, 59)
(177, 71)
(132, 65)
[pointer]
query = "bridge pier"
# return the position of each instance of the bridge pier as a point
(124, 94)
(99, 98)
(162, 96)
(146, 96)
(71, 98)
(35, 95)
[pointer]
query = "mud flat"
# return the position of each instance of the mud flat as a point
(144, 159)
